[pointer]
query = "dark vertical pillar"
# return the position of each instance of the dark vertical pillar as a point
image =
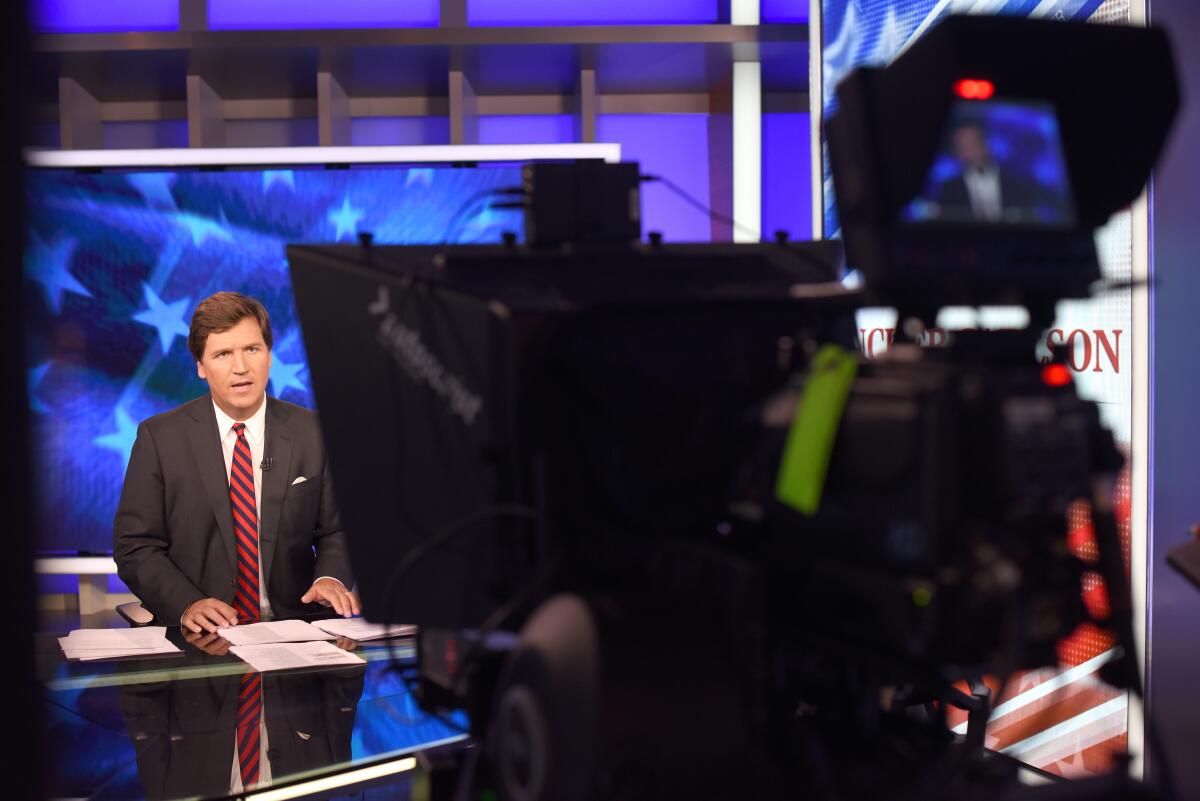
(1173, 677)
(23, 701)
(720, 157)
(333, 110)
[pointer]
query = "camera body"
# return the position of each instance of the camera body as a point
(575, 468)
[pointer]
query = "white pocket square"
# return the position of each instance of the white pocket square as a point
(298, 480)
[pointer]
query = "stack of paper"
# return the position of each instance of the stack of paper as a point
(91, 644)
(282, 656)
(359, 629)
(273, 631)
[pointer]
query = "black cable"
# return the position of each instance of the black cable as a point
(699, 205)
(421, 550)
(722, 218)
(500, 615)
(460, 216)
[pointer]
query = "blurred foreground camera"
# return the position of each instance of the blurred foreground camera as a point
(667, 535)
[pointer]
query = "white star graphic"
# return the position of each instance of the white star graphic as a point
(166, 317)
(155, 188)
(346, 219)
(284, 375)
(202, 228)
(418, 175)
(50, 266)
(35, 377)
(122, 439)
(272, 177)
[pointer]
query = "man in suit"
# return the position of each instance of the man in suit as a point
(185, 730)
(227, 513)
(984, 191)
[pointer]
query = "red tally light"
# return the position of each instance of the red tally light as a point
(1056, 375)
(974, 89)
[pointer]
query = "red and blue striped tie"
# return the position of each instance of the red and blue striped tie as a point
(245, 528)
(248, 740)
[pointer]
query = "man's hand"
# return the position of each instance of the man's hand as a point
(208, 614)
(211, 644)
(346, 644)
(330, 592)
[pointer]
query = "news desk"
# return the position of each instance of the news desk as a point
(163, 727)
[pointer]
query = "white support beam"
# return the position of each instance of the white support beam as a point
(280, 156)
(744, 12)
(747, 151)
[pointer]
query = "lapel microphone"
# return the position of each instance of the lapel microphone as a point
(267, 463)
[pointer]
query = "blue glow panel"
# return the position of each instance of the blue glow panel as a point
(281, 14)
(115, 264)
(676, 147)
(82, 16)
(784, 11)
(787, 175)
(400, 131)
(527, 129)
(611, 12)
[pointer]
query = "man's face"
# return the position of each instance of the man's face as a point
(971, 148)
(236, 365)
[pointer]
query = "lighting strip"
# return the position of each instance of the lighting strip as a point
(327, 783)
(324, 784)
(816, 110)
(747, 151)
(290, 156)
(1022, 749)
(1141, 572)
(1069, 676)
(74, 565)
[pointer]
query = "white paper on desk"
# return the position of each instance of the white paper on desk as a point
(273, 631)
(357, 628)
(90, 644)
(285, 655)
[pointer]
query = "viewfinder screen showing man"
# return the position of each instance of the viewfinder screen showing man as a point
(227, 513)
(1001, 162)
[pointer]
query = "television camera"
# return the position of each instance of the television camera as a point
(665, 534)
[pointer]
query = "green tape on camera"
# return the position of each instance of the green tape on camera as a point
(809, 447)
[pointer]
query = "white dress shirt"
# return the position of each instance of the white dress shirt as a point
(983, 190)
(256, 431)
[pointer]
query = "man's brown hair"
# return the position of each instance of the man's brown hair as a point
(222, 311)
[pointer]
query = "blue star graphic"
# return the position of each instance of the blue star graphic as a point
(166, 317)
(479, 225)
(122, 439)
(346, 219)
(35, 377)
(284, 375)
(285, 177)
(202, 228)
(418, 175)
(50, 266)
(155, 187)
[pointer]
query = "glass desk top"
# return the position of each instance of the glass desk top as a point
(164, 727)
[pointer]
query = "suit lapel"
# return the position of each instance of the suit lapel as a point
(205, 441)
(278, 448)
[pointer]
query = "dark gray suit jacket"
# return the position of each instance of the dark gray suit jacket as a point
(184, 730)
(173, 534)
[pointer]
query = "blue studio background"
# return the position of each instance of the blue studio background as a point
(117, 262)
